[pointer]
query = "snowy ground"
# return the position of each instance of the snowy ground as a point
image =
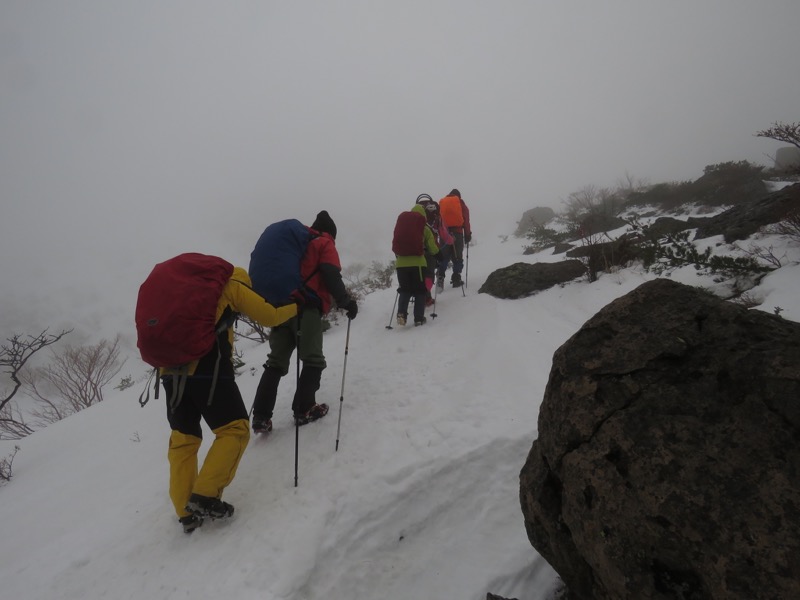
(419, 501)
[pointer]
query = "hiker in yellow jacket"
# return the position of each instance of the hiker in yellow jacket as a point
(198, 495)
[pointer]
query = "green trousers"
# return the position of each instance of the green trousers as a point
(283, 340)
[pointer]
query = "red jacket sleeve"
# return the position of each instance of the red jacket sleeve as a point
(321, 267)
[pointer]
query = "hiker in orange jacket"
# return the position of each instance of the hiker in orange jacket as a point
(455, 216)
(198, 495)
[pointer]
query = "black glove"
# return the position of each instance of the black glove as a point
(468, 237)
(299, 298)
(352, 309)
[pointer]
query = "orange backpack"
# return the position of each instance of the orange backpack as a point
(450, 210)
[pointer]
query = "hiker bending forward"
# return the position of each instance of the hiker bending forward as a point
(320, 269)
(197, 495)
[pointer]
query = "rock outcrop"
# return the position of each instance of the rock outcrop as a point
(742, 221)
(522, 279)
(533, 217)
(668, 457)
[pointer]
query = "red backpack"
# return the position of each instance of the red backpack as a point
(409, 234)
(176, 309)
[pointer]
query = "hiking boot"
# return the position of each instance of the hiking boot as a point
(440, 283)
(418, 322)
(456, 281)
(190, 523)
(317, 412)
(429, 301)
(401, 319)
(205, 506)
(262, 425)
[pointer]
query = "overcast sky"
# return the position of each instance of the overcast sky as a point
(133, 131)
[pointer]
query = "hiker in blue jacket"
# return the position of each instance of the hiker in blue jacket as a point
(320, 269)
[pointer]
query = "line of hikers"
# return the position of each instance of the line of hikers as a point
(188, 305)
(426, 240)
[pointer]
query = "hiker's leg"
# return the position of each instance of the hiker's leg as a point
(313, 359)
(307, 386)
(458, 252)
(266, 394)
(281, 343)
(406, 277)
(420, 292)
(227, 418)
(444, 258)
(184, 443)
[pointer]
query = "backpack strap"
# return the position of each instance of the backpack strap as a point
(178, 387)
(225, 322)
(215, 376)
(146, 390)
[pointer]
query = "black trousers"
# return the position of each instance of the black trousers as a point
(226, 405)
(412, 283)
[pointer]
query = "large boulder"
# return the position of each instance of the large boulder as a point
(668, 457)
(522, 279)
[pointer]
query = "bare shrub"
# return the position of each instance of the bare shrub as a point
(5, 466)
(782, 132)
(767, 255)
(74, 380)
(361, 280)
(788, 226)
(255, 331)
(14, 356)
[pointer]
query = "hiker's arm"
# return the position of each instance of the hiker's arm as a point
(244, 300)
(332, 276)
(430, 241)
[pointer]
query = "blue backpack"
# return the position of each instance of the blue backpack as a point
(275, 261)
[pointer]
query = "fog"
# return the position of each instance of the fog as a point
(133, 131)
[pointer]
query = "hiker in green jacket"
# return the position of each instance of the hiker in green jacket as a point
(412, 239)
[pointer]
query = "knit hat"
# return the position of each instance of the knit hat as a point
(324, 224)
(454, 192)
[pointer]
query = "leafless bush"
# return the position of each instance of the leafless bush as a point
(254, 331)
(377, 277)
(788, 226)
(782, 132)
(5, 466)
(14, 356)
(761, 253)
(595, 260)
(73, 381)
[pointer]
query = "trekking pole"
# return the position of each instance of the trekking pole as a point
(296, 422)
(435, 294)
(389, 326)
(341, 395)
(466, 269)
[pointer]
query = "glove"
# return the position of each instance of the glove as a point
(468, 237)
(299, 298)
(352, 309)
